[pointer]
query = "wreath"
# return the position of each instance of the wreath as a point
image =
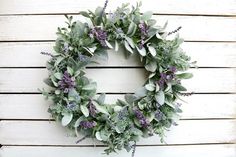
(152, 109)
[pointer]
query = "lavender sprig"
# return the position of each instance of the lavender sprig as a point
(66, 83)
(174, 31)
(47, 53)
(88, 124)
(142, 120)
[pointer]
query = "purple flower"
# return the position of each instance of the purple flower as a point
(71, 106)
(100, 35)
(92, 109)
(66, 83)
(144, 32)
(104, 7)
(173, 69)
(88, 124)
(142, 120)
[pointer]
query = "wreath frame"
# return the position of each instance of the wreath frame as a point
(152, 109)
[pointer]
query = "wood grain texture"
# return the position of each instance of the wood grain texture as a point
(207, 54)
(202, 7)
(194, 28)
(120, 80)
(198, 106)
(51, 133)
(162, 151)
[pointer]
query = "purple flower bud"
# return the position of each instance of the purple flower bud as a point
(66, 83)
(142, 120)
(88, 124)
(100, 35)
(92, 109)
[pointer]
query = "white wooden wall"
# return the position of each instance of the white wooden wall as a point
(208, 124)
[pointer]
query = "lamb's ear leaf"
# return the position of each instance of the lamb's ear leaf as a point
(66, 119)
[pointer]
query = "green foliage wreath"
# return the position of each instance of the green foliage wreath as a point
(152, 109)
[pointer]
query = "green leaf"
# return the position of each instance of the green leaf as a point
(117, 108)
(85, 14)
(130, 41)
(91, 86)
(116, 46)
(108, 44)
(178, 88)
(70, 71)
(58, 60)
(141, 92)
(84, 110)
(130, 98)
(100, 108)
(98, 136)
(132, 29)
(160, 97)
(101, 98)
(141, 51)
(152, 50)
(151, 66)
(128, 47)
(150, 87)
(184, 75)
(77, 122)
(58, 75)
(147, 15)
(66, 119)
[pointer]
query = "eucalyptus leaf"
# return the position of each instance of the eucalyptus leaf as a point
(151, 66)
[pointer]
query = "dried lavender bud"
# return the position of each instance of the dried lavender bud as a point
(104, 7)
(88, 124)
(142, 120)
(47, 53)
(186, 94)
(123, 114)
(100, 35)
(66, 83)
(144, 32)
(71, 106)
(175, 31)
(92, 109)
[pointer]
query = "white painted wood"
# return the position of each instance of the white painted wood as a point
(195, 28)
(119, 80)
(50, 133)
(16, 54)
(206, 7)
(14, 106)
(162, 151)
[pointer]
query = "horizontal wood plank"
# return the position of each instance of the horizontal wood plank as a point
(51, 133)
(120, 80)
(221, 150)
(197, 106)
(194, 28)
(202, 7)
(16, 54)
